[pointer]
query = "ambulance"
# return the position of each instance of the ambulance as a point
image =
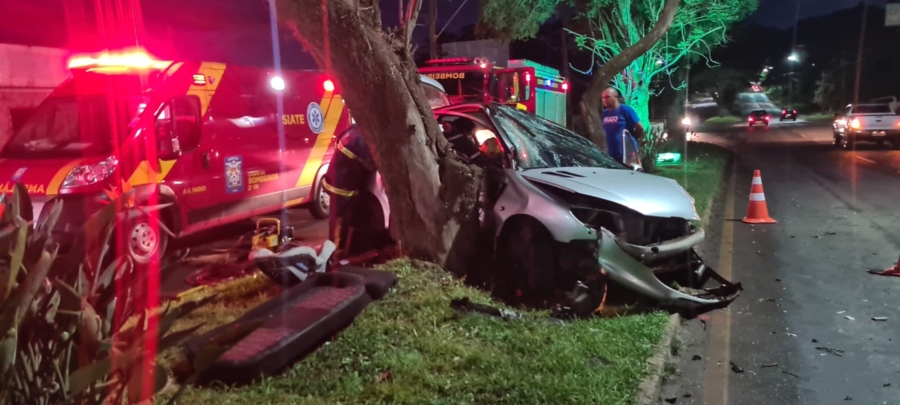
(217, 143)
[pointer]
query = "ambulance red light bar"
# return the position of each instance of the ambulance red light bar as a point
(328, 85)
(128, 59)
(565, 86)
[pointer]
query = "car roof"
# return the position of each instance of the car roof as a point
(431, 82)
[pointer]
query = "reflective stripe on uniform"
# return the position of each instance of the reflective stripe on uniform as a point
(337, 191)
(346, 152)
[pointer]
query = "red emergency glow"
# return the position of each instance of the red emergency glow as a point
(565, 86)
(527, 77)
(329, 85)
(448, 60)
(132, 59)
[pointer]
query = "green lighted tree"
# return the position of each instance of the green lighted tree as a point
(614, 25)
(634, 40)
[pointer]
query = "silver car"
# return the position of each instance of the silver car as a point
(567, 218)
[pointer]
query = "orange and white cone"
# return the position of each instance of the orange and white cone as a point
(757, 211)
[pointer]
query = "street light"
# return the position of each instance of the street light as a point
(793, 57)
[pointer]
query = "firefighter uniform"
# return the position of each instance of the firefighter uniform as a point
(350, 168)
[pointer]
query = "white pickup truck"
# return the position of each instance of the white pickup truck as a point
(872, 122)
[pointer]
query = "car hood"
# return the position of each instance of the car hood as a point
(647, 194)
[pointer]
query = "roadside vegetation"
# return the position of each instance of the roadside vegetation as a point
(819, 117)
(719, 122)
(411, 347)
(701, 172)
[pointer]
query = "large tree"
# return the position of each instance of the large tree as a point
(634, 40)
(433, 194)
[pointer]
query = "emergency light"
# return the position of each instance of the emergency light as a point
(133, 59)
(328, 85)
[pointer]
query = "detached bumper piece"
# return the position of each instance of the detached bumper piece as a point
(291, 326)
(625, 270)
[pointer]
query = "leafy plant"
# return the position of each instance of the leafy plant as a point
(71, 331)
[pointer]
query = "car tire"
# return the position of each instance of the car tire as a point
(846, 143)
(795, 119)
(529, 272)
(320, 203)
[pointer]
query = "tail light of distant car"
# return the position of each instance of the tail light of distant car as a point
(750, 119)
(767, 118)
(784, 111)
(855, 124)
(83, 175)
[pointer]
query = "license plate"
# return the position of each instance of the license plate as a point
(878, 133)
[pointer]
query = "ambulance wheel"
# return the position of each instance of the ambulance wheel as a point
(321, 201)
(142, 240)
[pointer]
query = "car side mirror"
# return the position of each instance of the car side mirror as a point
(637, 167)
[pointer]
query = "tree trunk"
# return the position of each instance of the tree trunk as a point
(432, 27)
(432, 193)
(591, 103)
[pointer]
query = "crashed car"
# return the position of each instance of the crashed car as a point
(567, 217)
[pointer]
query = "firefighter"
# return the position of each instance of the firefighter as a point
(350, 168)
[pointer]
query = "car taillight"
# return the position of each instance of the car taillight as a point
(83, 175)
(855, 124)
(783, 111)
(750, 119)
(767, 118)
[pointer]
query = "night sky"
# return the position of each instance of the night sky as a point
(207, 28)
(780, 13)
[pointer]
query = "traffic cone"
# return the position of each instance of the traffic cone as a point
(757, 212)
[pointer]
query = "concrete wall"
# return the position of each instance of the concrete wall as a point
(27, 75)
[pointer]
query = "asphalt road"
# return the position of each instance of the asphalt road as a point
(804, 277)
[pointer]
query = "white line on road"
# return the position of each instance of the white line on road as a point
(866, 160)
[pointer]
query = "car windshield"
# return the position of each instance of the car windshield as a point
(73, 127)
(758, 113)
(872, 109)
(539, 143)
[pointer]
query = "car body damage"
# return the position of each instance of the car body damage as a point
(641, 225)
(591, 214)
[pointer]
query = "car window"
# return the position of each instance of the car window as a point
(872, 109)
(436, 97)
(539, 143)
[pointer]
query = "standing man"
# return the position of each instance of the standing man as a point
(618, 118)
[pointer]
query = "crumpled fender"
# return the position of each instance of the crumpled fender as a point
(626, 271)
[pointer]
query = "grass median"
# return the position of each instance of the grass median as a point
(700, 172)
(412, 348)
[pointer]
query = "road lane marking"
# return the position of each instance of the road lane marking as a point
(718, 355)
(866, 160)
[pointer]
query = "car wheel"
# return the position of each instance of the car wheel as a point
(142, 240)
(846, 142)
(795, 119)
(529, 272)
(320, 204)
(836, 140)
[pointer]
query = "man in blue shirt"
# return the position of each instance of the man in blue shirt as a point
(618, 118)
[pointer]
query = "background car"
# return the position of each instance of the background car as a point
(788, 114)
(758, 117)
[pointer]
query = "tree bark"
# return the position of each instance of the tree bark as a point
(433, 195)
(591, 103)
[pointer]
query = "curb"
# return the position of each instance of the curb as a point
(650, 387)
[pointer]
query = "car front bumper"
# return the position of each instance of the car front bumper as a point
(627, 271)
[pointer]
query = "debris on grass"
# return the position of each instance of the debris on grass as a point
(789, 373)
(849, 318)
(770, 365)
(879, 318)
(696, 357)
(736, 368)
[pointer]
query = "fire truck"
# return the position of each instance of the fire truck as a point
(521, 83)
(216, 143)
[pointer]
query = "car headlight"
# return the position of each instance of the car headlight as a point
(83, 175)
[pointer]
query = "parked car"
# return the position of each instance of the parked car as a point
(758, 117)
(868, 123)
(567, 211)
(789, 113)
